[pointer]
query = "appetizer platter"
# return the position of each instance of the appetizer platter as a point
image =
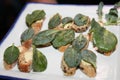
(63, 42)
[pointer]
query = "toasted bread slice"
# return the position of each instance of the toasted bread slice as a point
(9, 66)
(81, 28)
(66, 69)
(25, 61)
(88, 69)
(37, 26)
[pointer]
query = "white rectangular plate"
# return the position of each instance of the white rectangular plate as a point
(108, 67)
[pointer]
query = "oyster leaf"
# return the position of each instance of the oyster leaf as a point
(11, 54)
(94, 26)
(112, 16)
(80, 19)
(79, 43)
(63, 38)
(66, 20)
(89, 57)
(103, 39)
(54, 21)
(44, 37)
(27, 34)
(39, 62)
(72, 57)
(117, 4)
(99, 10)
(36, 15)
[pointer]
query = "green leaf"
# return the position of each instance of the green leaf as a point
(72, 57)
(27, 34)
(80, 19)
(66, 20)
(89, 57)
(99, 10)
(39, 62)
(54, 21)
(79, 43)
(44, 37)
(103, 39)
(94, 26)
(112, 16)
(117, 4)
(11, 54)
(36, 15)
(63, 38)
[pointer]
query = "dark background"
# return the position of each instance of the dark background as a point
(91, 2)
(9, 10)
